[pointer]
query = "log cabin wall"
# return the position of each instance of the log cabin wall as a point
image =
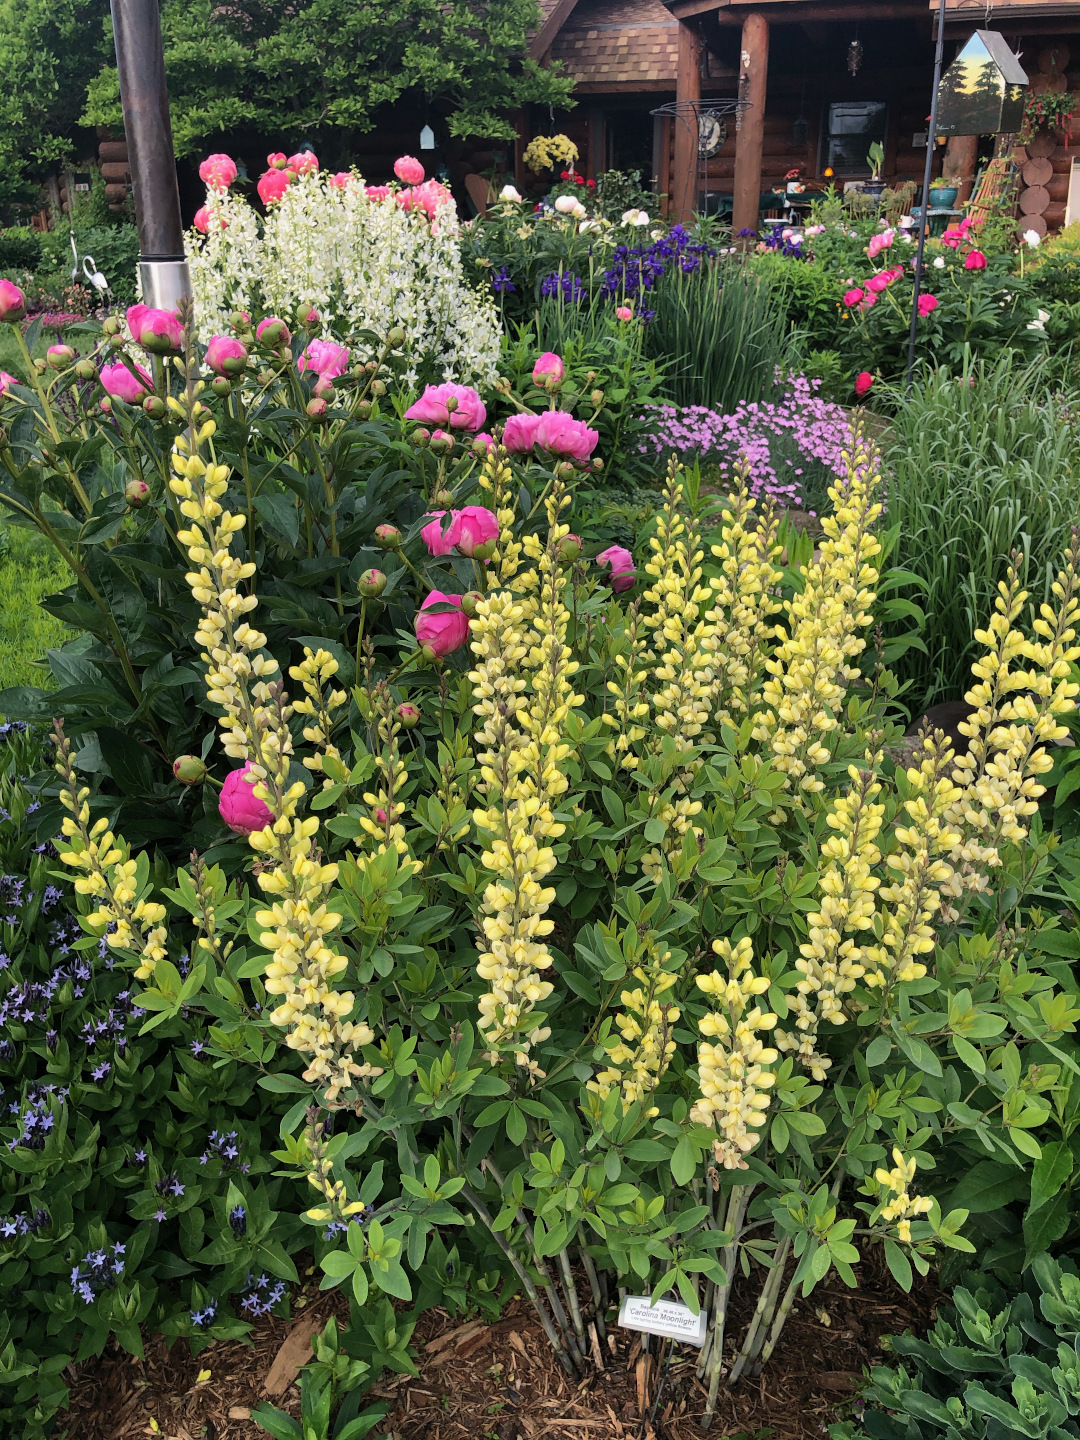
(1045, 163)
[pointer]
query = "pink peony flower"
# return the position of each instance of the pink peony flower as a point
(472, 527)
(341, 179)
(225, 356)
(563, 435)
(156, 330)
(433, 537)
(12, 302)
(408, 170)
(272, 185)
(621, 564)
(378, 192)
(879, 243)
(238, 805)
(303, 163)
(469, 412)
(120, 382)
(869, 300)
(975, 260)
(277, 160)
(863, 382)
(548, 366)
(927, 303)
(327, 358)
(217, 171)
(7, 381)
(519, 433)
(443, 632)
(207, 219)
(953, 238)
(427, 197)
(880, 282)
(852, 297)
(273, 320)
(623, 312)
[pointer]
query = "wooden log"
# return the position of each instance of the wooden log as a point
(1054, 59)
(1038, 171)
(115, 170)
(113, 150)
(1041, 145)
(116, 191)
(1054, 214)
(687, 89)
(1036, 223)
(1057, 187)
(748, 146)
(1034, 200)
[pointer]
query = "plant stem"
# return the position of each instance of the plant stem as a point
(570, 1291)
(763, 1313)
(738, 1201)
(594, 1286)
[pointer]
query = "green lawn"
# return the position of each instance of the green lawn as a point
(28, 572)
(10, 357)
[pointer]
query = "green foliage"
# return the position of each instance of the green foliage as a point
(29, 571)
(1054, 268)
(719, 331)
(981, 461)
(20, 249)
(251, 67)
(324, 1382)
(998, 1363)
(807, 295)
(115, 249)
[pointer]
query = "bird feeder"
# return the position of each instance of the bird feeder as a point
(983, 90)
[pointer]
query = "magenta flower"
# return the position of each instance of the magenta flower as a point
(272, 185)
(877, 283)
(12, 302)
(548, 367)
(218, 171)
(975, 260)
(277, 161)
(852, 297)
(238, 805)
(427, 197)
(560, 433)
(119, 382)
(303, 163)
(207, 219)
(437, 542)
(409, 170)
(262, 326)
(927, 303)
(472, 527)
(378, 192)
(620, 562)
(225, 355)
(445, 631)
(7, 381)
(519, 433)
(863, 382)
(466, 413)
(155, 330)
(326, 357)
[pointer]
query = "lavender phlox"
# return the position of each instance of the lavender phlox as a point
(99, 1271)
(205, 1316)
(262, 1295)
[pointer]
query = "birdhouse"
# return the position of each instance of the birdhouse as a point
(983, 90)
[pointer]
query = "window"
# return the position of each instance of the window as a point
(853, 127)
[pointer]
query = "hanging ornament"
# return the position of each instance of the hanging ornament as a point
(854, 57)
(427, 138)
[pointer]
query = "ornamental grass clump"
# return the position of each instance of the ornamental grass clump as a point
(611, 937)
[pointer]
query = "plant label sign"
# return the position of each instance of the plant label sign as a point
(669, 1318)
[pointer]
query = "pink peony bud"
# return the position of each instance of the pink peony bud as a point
(325, 358)
(238, 805)
(560, 433)
(272, 185)
(7, 381)
(482, 445)
(863, 382)
(471, 528)
(877, 283)
(458, 406)
(316, 409)
(12, 302)
(623, 312)
(388, 537)
(303, 163)
(519, 433)
(189, 769)
(975, 260)
(378, 192)
(927, 303)
(409, 715)
(272, 331)
(433, 537)
(441, 442)
(341, 179)
(852, 297)
(207, 219)
(277, 160)
(548, 367)
(118, 381)
(408, 170)
(621, 564)
(217, 171)
(569, 548)
(226, 356)
(445, 631)
(59, 357)
(137, 494)
(371, 584)
(158, 331)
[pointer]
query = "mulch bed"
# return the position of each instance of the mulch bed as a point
(502, 1382)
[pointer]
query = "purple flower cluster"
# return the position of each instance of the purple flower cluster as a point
(101, 1272)
(262, 1296)
(206, 1315)
(35, 1116)
(564, 284)
(797, 420)
(224, 1145)
(28, 1224)
(635, 269)
(501, 282)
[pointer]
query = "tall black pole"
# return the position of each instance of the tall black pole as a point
(924, 218)
(145, 99)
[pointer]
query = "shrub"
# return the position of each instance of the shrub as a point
(20, 248)
(115, 249)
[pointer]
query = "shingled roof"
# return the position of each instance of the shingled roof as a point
(605, 42)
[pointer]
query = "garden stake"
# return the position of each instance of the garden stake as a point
(924, 218)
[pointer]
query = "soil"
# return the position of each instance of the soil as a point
(502, 1382)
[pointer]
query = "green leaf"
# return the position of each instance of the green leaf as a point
(275, 1422)
(338, 1264)
(899, 1264)
(1050, 1171)
(1046, 1225)
(879, 1050)
(684, 1162)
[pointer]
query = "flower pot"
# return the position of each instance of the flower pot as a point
(873, 187)
(943, 197)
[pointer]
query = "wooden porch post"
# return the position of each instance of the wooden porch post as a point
(753, 71)
(960, 162)
(687, 88)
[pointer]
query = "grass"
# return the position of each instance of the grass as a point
(981, 464)
(28, 572)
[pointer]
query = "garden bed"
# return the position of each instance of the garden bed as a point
(502, 1382)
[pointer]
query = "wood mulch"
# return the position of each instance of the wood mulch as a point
(502, 1382)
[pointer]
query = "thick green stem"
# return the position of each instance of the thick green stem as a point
(594, 1286)
(570, 1291)
(763, 1313)
(738, 1201)
(778, 1323)
(43, 395)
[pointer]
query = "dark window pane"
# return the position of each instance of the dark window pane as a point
(853, 127)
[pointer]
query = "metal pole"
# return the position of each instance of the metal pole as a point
(924, 218)
(163, 269)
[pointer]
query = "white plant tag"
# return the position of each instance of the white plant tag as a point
(668, 1318)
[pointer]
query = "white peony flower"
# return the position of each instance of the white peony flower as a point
(510, 192)
(1032, 239)
(565, 204)
(939, 262)
(634, 217)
